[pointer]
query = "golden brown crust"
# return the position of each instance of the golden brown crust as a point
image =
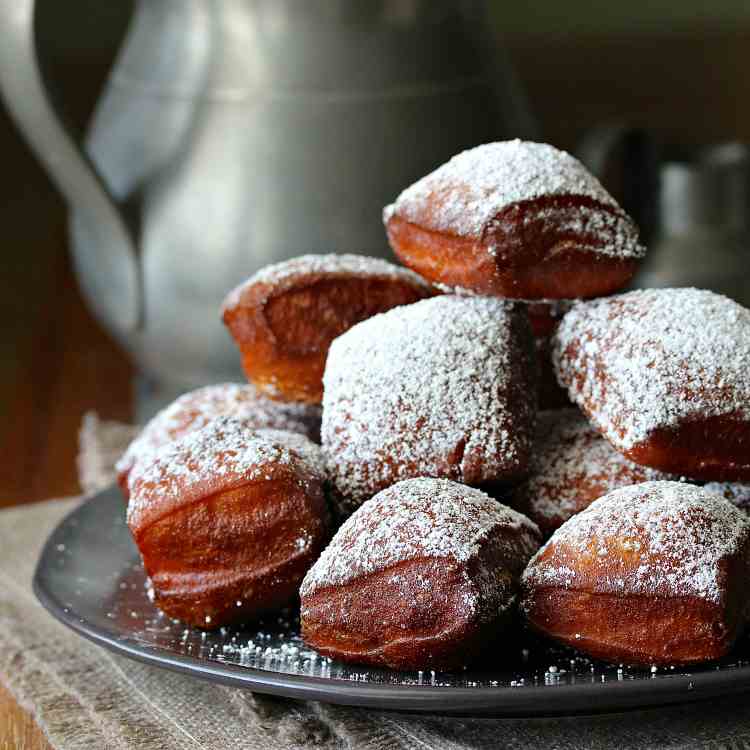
(227, 526)
(521, 256)
(391, 619)
(284, 324)
(234, 555)
(709, 449)
(515, 219)
(636, 630)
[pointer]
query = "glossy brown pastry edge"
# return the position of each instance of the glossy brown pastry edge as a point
(635, 630)
(504, 262)
(379, 619)
(230, 589)
(709, 449)
(263, 319)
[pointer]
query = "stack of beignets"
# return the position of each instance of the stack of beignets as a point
(429, 380)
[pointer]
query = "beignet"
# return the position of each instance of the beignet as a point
(663, 375)
(424, 575)
(515, 219)
(284, 318)
(227, 522)
(655, 573)
(197, 408)
(441, 388)
(571, 466)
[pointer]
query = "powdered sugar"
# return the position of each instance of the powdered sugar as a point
(195, 409)
(571, 466)
(464, 195)
(652, 539)
(738, 494)
(332, 265)
(308, 451)
(437, 388)
(417, 518)
(653, 359)
(224, 454)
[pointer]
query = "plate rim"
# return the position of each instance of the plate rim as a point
(526, 701)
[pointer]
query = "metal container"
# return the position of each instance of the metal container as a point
(704, 232)
(236, 133)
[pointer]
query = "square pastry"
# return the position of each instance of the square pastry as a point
(663, 375)
(654, 573)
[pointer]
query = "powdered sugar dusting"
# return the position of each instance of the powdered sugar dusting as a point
(333, 265)
(572, 459)
(225, 453)
(651, 539)
(417, 518)
(654, 358)
(437, 388)
(195, 409)
(308, 451)
(737, 493)
(464, 195)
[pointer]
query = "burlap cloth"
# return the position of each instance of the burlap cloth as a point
(85, 697)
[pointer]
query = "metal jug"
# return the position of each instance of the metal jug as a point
(236, 133)
(704, 233)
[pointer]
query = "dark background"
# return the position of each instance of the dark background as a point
(679, 69)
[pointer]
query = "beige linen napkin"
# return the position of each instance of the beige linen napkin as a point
(85, 697)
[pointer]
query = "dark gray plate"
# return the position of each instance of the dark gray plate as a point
(90, 578)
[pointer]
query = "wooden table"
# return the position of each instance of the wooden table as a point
(56, 363)
(65, 366)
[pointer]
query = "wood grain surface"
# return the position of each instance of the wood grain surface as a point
(18, 730)
(56, 361)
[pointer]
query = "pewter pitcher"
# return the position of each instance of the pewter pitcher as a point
(236, 133)
(704, 233)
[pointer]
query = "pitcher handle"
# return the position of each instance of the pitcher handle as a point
(28, 101)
